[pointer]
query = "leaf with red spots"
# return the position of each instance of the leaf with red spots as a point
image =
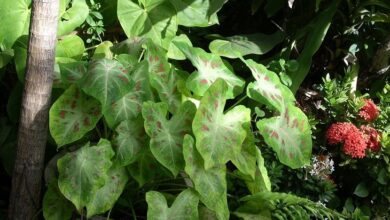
(72, 73)
(167, 135)
(289, 135)
(107, 81)
(129, 141)
(210, 183)
(210, 67)
(105, 198)
(72, 115)
(267, 88)
(129, 106)
(219, 136)
(83, 172)
(162, 77)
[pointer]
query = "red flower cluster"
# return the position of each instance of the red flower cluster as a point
(355, 141)
(369, 112)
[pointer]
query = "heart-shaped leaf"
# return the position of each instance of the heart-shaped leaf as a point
(73, 73)
(184, 207)
(167, 136)
(130, 140)
(70, 47)
(55, 206)
(73, 17)
(267, 88)
(129, 106)
(289, 135)
(241, 45)
(210, 184)
(105, 198)
(210, 68)
(107, 81)
(219, 136)
(162, 77)
(158, 22)
(72, 115)
(83, 172)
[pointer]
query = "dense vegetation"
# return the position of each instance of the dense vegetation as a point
(208, 109)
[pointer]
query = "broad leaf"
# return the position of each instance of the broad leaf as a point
(73, 17)
(129, 106)
(73, 73)
(241, 45)
(245, 161)
(210, 68)
(167, 136)
(129, 141)
(103, 50)
(289, 135)
(70, 47)
(219, 136)
(131, 46)
(105, 198)
(267, 88)
(173, 51)
(210, 184)
(72, 115)
(162, 77)
(55, 206)
(83, 172)
(156, 22)
(20, 55)
(185, 206)
(15, 21)
(107, 81)
(197, 13)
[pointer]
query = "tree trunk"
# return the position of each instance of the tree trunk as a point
(25, 198)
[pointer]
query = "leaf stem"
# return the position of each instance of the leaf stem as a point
(236, 103)
(133, 211)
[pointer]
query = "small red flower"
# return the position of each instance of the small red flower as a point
(371, 136)
(355, 144)
(337, 132)
(369, 112)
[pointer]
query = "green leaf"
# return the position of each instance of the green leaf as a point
(73, 17)
(219, 136)
(185, 206)
(241, 45)
(70, 46)
(15, 21)
(210, 184)
(162, 77)
(72, 115)
(289, 135)
(267, 88)
(361, 190)
(107, 81)
(173, 51)
(83, 172)
(103, 50)
(5, 57)
(104, 199)
(129, 106)
(197, 13)
(245, 161)
(156, 22)
(20, 56)
(167, 135)
(210, 68)
(55, 206)
(130, 140)
(131, 46)
(72, 73)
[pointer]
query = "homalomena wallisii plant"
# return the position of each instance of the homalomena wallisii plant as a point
(131, 112)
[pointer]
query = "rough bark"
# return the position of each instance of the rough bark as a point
(25, 198)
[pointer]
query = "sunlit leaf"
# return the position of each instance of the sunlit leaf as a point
(219, 136)
(72, 115)
(167, 135)
(184, 207)
(73, 17)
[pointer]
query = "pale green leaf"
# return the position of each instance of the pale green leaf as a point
(185, 206)
(83, 172)
(167, 135)
(72, 115)
(73, 17)
(210, 184)
(219, 136)
(70, 46)
(174, 52)
(103, 50)
(210, 67)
